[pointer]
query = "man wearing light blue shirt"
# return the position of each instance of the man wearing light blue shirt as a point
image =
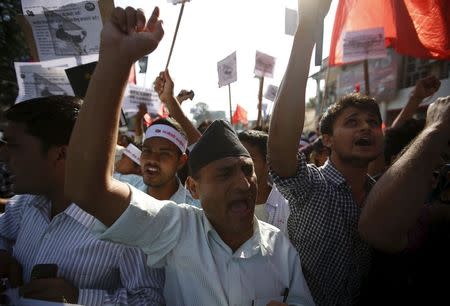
(163, 154)
(220, 255)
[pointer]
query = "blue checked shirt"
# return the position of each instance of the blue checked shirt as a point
(104, 272)
(323, 226)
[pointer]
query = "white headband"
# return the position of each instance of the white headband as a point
(133, 152)
(169, 133)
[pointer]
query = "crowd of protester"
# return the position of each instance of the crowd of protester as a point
(186, 215)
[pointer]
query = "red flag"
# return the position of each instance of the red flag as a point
(414, 28)
(240, 116)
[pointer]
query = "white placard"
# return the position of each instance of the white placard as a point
(227, 70)
(69, 30)
(365, 44)
(290, 21)
(135, 95)
(43, 79)
(177, 1)
(271, 92)
(264, 65)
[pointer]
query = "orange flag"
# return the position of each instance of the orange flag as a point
(415, 28)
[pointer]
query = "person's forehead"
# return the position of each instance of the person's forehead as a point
(355, 111)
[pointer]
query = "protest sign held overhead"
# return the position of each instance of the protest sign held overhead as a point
(227, 70)
(271, 92)
(43, 79)
(135, 95)
(290, 21)
(63, 31)
(264, 65)
(364, 44)
(177, 1)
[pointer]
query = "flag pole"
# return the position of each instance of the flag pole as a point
(366, 76)
(260, 95)
(175, 35)
(229, 100)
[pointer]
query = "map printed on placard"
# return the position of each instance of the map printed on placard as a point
(227, 70)
(264, 65)
(135, 95)
(43, 79)
(69, 30)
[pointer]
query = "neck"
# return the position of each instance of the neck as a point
(233, 240)
(263, 192)
(164, 192)
(355, 175)
(58, 200)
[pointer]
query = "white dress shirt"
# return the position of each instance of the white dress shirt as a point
(200, 268)
(277, 208)
(105, 273)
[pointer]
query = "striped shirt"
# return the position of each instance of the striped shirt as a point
(200, 268)
(105, 273)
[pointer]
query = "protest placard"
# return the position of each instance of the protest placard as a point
(177, 1)
(290, 21)
(271, 92)
(264, 65)
(135, 95)
(43, 79)
(62, 31)
(365, 44)
(227, 70)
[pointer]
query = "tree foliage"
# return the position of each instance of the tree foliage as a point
(12, 48)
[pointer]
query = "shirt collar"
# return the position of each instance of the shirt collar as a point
(333, 175)
(180, 195)
(257, 244)
(44, 205)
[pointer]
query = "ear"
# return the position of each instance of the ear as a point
(193, 187)
(62, 153)
(182, 161)
(327, 141)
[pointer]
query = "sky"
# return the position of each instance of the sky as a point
(210, 30)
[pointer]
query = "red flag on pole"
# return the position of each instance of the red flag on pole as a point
(240, 115)
(414, 28)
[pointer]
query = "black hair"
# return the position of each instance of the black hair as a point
(50, 119)
(255, 138)
(356, 100)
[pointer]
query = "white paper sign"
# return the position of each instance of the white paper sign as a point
(70, 30)
(264, 65)
(227, 70)
(271, 92)
(365, 44)
(43, 79)
(290, 21)
(177, 1)
(135, 95)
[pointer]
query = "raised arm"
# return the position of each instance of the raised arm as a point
(393, 206)
(425, 88)
(124, 39)
(288, 115)
(164, 87)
